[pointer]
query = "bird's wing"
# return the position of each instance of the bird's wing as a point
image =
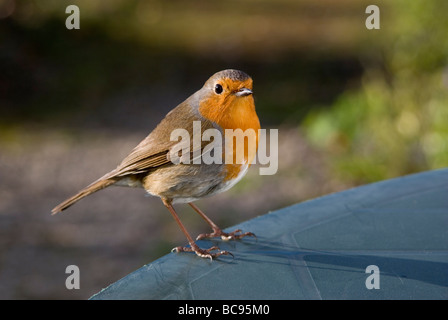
(154, 150)
(141, 162)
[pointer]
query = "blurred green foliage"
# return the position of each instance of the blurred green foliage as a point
(397, 121)
(375, 101)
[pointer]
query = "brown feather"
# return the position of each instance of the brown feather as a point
(97, 185)
(149, 154)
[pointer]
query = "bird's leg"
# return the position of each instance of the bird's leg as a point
(203, 253)
(217, 232)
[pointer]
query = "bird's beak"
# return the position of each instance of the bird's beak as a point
(243, 92)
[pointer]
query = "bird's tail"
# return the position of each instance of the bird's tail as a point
(95, 186)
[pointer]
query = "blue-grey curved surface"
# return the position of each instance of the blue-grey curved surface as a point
(320, 249)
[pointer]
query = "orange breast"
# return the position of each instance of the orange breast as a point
(235, 113)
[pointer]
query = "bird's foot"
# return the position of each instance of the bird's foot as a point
(237, 234)
(203, 253)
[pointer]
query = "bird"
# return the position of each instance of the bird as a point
(225, 102)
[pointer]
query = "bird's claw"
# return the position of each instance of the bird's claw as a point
(203, 253)
(235, 235)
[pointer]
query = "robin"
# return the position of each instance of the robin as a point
(225, 102)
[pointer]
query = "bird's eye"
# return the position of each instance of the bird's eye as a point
(218, 88)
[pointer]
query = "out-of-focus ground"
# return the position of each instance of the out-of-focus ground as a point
(352, 106)
(118, 229)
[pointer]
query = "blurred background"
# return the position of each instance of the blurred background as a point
(352, 105)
